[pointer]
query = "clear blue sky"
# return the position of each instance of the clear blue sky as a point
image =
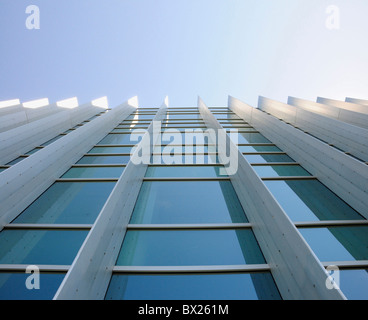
(183, 48)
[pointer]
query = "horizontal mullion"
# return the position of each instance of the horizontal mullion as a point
(358, 264)
(192, 269)
(185, 178)
(290, 178)
(206, 226)
(100, 154)
(47, 226)
(329, 223)
(274, 163)
(42, 268)
(263, 152)
(87, 180)
(186, 165)
(97, 165)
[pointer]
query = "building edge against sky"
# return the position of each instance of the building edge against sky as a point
(78, 209)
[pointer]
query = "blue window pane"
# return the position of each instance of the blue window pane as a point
(183, 171)
(124, 138)
(111, 150)
(260, 148)
(188, 202)
(310, 200)
(15, 161)
(354, 284)
(94, 172)
(243, 137)
(104, 159)
(338, 243)
(52, 140)
(266, 158)
(12, 286)
(68, 202)
(180, 158)
(280, 171)
(235, 286)
(37, 247)
(189, 247)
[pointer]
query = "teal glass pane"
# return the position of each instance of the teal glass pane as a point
(2, 169)
(338, 243)
(226, 115)
(52, 140)
(37, 247)
(170, 159)
(188, 202)
(183, 116)
(189, 149)
(68, 202)
(94, 172)
(141, 117)
(189, 247)
(123, 130)
(234, 286)
(15, 161)
(245, 138)
(310, 200)
(111, 150)
(281, 171)
(123, 138)
(354, 283)
(104, 160)
(266, 158)
(184, 171)
(13, 286)
(258, 149)
(33, 151)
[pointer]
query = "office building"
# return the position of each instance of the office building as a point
(192, 203)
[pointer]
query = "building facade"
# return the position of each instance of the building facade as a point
(188, 203)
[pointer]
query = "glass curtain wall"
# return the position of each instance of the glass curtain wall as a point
(336, 232)
(49, 233)
(188, 228)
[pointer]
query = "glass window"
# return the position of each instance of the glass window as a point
(183, 171)
(226, 115)
(15, 161)
(124, 130)
(310, 200)
(94, 172)
(258, 149)
(36, 247)
(265, 158)
(68, 202)
(170, 159)
(280, 171)
(234, 286)
(354, 283)
(33, 151)
(189, 247)
(244, 138)
(176, 116)
(123, 138)
(188, 202)
(140, 117)
(52, 140)
(104, 160)
(13, 286)
(111, 150)
(347, 243)
(2, 169)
